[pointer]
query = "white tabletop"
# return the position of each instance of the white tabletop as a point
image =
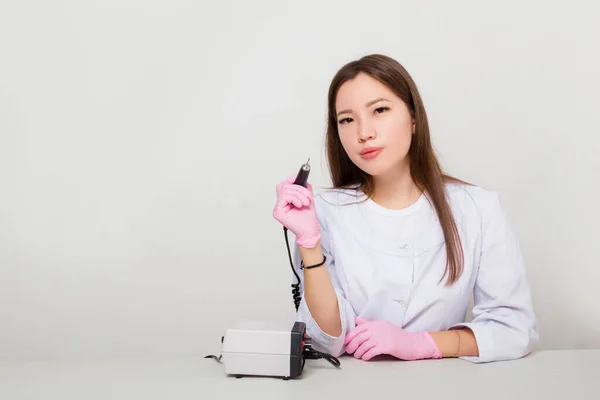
(542, 375)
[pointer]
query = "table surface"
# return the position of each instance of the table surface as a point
(570, 374)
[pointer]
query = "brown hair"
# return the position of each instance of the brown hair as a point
(424, 166)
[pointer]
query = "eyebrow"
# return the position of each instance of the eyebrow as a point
(370, 103)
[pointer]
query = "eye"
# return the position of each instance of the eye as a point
(345, 120)
(381, 109)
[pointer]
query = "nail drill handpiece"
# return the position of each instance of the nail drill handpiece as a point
(302, 177)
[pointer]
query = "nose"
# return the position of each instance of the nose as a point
(365, 133)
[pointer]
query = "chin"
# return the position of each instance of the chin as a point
(373, 169)
(379, 167)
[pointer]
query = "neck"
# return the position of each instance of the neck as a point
(396, 189)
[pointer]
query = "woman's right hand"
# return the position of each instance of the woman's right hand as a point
(295, 209)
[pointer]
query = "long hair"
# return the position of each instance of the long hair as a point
(424, 166)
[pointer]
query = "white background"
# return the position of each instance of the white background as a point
(141, 142)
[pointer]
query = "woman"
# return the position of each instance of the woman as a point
(392, 254)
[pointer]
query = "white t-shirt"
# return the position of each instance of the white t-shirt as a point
(387, 264)
(395, 224)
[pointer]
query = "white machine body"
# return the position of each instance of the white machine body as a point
(258, 350)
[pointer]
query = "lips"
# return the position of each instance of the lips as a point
(370, 152)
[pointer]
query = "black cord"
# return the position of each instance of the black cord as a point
(215, 357)
(317, 355)
(295, 286)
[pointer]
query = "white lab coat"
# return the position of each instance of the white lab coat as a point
(392, 271)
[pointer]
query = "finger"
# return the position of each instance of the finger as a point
(304, 201)
(364, 347)
(281, 208)
(288, 182)
(359, 321)
(357, 341)
(287, 188)
(299, 191)
(371, 353)
(285, 200)
(293, 199)
(353, 333)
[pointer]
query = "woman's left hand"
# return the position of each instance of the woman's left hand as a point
(372, 338)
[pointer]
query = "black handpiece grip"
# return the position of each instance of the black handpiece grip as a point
(302, 177)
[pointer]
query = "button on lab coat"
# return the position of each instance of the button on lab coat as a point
(382, 277)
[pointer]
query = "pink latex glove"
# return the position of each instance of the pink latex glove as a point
(370, 339)
(295, 209)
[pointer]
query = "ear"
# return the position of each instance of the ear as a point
(414, 126)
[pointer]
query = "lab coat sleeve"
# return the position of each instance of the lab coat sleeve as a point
(504, 323)
(322, 341)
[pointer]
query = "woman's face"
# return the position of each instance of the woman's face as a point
(374, 125)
